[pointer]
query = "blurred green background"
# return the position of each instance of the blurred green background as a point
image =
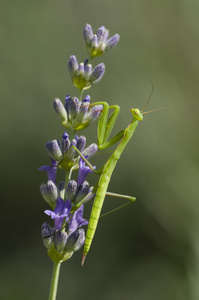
(150, 250)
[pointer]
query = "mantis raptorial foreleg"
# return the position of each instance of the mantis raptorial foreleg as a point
(106, 124)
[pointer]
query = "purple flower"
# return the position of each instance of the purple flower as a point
(60, 213)
(50, 170)
(83, 171)
(77, 221)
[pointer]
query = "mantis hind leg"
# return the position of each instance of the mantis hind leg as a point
(132, 199)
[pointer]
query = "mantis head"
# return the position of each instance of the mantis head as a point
(136, 114)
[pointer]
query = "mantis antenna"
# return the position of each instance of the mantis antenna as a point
(149, 97)
(147, 112)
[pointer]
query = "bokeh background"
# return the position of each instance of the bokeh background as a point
(150, 250)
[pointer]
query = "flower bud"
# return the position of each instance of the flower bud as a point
(90, 150)
(50, 193)
(71, 190)
(88, 34)
(82, 191)
(60, 110)
(96, 111)
(112, 42)
(61, 189)
(67, 105)
(60, 239)
(74, 108)
(65, 144)
(54, 150)
(80, 70)
(75, 240)
(101, 34)
(94, 44)
(52, 190)
(46, 233)
(72, 65)
(97, 73)
(81, 143)
(87, 71)
(72, 153)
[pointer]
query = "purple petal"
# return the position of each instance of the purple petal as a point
(60, 213)
(50, 170)
(77, 221)
(67, 207)
(83, 171)
(50, 213)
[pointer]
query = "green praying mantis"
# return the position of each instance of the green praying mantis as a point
(105, 126)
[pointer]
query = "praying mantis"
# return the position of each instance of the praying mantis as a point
(105, 126)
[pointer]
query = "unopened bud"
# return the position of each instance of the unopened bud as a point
(112, 42)
(88, 34)
(75, 240)
(54, 150)
(60, 239)
(71, 189)
(46, 233)
(60, 110)
(97, 73)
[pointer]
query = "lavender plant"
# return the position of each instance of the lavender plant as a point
(70, 154)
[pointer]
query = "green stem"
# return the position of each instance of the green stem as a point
(72, 134)
(90, 59)
(81, 94)
(54, 282)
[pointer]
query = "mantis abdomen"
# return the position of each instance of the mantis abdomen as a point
(102, 187)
